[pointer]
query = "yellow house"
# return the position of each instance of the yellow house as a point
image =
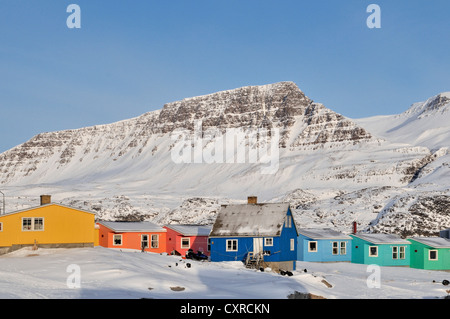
(48, 225)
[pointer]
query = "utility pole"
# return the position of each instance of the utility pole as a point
(3, 212)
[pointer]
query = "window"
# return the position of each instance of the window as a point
(398, 252)
(343, 248)
(144, 241)
(432, 255)
(402, 252)
(292, 244)
(39, 223)
(288, 221)
(117, 240)
(1, 226)
(395, 252)
(185, 243)
(155, 241)
(339, 248)
(232, 245)
(32, 224)
(26, 223)
(268, 241)
(335, 249)
(373, 251)
(312, 246)
(209, 244)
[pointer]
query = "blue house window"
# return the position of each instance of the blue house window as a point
(312, 246)
(339, 248)
(232, 245)
(268, 241)
(288, 221)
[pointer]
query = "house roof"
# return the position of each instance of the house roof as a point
(130, 227)
(46, 205)
(250, 220)
(435, 242)
(191, 230)
(322, 233)
(380, 239)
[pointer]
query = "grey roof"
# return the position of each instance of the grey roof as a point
(125, 227)
(435, 242)
(382, 238)
(322, 233)
(191, 230)
(250, 220)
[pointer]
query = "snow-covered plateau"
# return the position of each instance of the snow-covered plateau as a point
(389, 173)
(103, 273)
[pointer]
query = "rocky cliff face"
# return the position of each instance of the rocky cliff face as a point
(281, 105)
(330, 166)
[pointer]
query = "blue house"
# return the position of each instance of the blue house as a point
(323, 245)
(260, 235)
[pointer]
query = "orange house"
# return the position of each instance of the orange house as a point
(145, 236)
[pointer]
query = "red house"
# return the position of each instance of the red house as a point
(145, 236)
(181, 238)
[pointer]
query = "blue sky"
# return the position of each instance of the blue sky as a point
(131, 57)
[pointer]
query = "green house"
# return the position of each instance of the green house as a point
(380, 249)
(430, 253)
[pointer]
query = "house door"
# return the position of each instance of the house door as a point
(257, 245)
(144, 242)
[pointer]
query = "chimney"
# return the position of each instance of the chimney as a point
(355, 227)
(46, 199)
(252, 200)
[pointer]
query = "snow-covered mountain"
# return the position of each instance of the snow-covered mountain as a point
(335, 170)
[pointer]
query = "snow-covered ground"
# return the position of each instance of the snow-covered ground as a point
(126, 274)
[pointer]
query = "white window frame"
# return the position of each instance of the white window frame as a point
(374, 255)
(268, 241)
(309, 247)
(33, 223)
(335, 248)
(154, 243)
(1, 226)
(114, 240)
(288, 221)
(343, 248)
(231, 247)
(292, 244)
(185, 246)
(146, 241)
(429, 255)
(394, 252)
(400, 252)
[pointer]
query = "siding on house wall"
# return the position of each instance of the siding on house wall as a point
(62, 225)
(280, 250)
(324, 252)
(196, 243)
(420, 257)
(132, 240)
(360, 253)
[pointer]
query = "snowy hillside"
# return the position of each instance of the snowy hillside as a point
(115, 274)
(335, 170)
